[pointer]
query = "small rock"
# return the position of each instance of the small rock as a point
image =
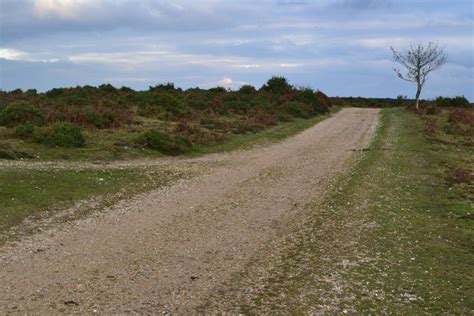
(71, 302)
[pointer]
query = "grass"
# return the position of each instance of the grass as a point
(39, 193)
(393, 237)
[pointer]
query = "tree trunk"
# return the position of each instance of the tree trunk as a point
(417, 103)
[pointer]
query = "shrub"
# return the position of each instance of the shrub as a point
(262, 103)
(21, 112)
(214, 124)
(247, 126)
(31, 92)
(169, 86)
(218, 90)
(185, 127)
(62, 134)
(461, 122)
(278, 85)
(165, 101)
(267, 120)
(54, 92)
(108, 88)
(24, 131)
(237, 106)
(100, 117)
(297, 109)
(309, 97)
(247, 89)
(459, 101)
(323, 100)
(461, 116)
(164, 143)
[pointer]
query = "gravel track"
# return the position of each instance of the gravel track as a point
(168, 250)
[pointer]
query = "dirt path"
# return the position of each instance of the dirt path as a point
(168, 250)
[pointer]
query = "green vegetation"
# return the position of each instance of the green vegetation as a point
(167, 144)
(61, 134)
(269, 135)
(101, 123)
(41, 192)
(394, 236)
(21, 112)
(440, 102)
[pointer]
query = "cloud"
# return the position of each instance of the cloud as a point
(226, 81)
(290, 65)
(64, 9)
(29, 18)
(13, 54)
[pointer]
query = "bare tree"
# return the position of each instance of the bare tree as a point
(419, 61)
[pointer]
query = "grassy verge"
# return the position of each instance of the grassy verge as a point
(395, 236)
(39, 193)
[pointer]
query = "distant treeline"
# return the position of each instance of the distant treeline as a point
(459, 101)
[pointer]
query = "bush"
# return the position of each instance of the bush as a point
(324, 101)
(169, 86)
(100, 118)
(21, 112)
(267, 119)
(309, 97)
(247, 126)
(107, 88)
(247, 89)
(461, 116)
(278, 85)
(54, 92)
(24, 131)
(61, 134)
(218, 90)
(164, 143)
(458, 102)
(461, 122)
(167, 102)
(297, 109)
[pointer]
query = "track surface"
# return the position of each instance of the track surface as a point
(171, 248)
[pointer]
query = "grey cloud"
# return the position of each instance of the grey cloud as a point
(18, 19)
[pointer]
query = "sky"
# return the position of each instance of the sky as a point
(341, 47)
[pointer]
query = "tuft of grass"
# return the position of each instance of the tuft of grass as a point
(393, 236)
